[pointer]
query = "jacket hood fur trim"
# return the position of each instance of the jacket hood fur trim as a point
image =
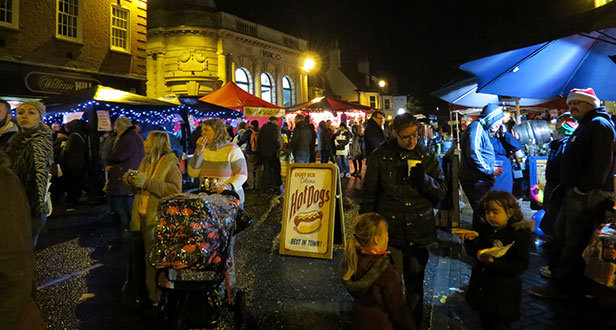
(360, 286)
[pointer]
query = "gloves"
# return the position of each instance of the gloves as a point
(139, 180)
(417, 175)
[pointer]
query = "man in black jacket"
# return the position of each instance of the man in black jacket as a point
(587, 168)
(303, 140)
(402, 183)
(268, 149)
(373, 135)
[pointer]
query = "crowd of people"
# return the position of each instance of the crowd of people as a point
(385, 258)
(404, 180)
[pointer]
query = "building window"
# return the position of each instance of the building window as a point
(9, 13)
(68, 20)
(373, 101)
(267, 88)
(242, 79)
(120, 25)
(387, 103)
(287, 91)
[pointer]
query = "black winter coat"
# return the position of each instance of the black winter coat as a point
(373, 136)
(269, 142)
(588, 161)
(495, 289)
(126, 154)
(75, 155)
(379, 301)
(388, 191)
(303, 140)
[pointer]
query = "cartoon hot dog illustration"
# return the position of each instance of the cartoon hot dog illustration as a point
(306, 223)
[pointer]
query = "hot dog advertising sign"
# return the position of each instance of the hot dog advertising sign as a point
(309, 210)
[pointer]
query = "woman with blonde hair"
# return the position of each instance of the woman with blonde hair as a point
(370, 277)
(31, 153)
(158, 176)
(216, 157)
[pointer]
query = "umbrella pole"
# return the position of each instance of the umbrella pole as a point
(518, 116)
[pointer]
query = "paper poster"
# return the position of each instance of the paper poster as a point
(104, 122)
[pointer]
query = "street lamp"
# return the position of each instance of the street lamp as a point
(382, 83)
(308, 64)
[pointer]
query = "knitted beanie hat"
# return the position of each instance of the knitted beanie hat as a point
(566, 124)
(585, 95)
(40, 107)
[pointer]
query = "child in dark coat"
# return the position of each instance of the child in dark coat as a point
(370, 277)
(495, 285)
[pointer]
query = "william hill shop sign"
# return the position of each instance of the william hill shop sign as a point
(312, 206)
(54, 83)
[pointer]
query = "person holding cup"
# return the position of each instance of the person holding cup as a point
(217, 157)
(158, 176)
(403, 182)
(478, 170)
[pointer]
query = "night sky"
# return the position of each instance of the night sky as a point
(418, 43)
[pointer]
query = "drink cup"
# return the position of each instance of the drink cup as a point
(412, 163)
(498, 164)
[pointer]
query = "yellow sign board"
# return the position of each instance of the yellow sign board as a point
(312, 197)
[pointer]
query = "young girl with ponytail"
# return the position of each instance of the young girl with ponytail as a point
(369, 276)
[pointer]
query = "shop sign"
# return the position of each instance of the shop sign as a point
(311, 205)
(104, 122)
(54, 83)
(272, 55)
(263, 112)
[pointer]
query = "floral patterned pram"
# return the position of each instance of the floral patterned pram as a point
(193, 231)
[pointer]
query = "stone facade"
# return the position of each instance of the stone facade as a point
(202, 54)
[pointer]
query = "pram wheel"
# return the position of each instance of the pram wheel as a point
(186, 310)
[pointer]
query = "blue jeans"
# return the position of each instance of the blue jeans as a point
(123, 207)
(302, 158)
(343, 164)
(37, 225)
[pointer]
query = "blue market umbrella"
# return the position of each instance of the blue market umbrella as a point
(551, 68)
(464, 92)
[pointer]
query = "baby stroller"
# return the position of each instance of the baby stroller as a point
(192, 254)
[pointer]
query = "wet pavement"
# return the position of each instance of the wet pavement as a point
(80, 265)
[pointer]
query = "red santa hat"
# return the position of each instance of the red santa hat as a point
(585, 95)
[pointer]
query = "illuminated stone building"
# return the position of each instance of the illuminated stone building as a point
(55, 46)
(193, 49)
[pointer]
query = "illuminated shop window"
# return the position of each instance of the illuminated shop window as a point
(9, 13)
(68, 20)
(287, 91)
(120, 28)
(242, 79)
(599, 3)
(267, 87)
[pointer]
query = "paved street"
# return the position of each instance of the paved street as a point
(80, 264)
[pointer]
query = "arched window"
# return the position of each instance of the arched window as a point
(267, 87)
(242, 79)
(287, 91)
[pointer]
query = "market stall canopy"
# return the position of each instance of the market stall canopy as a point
(233, 97)
(206, 109)
(551, 68)
(328, 104)
(103, 94)
(464, 93)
